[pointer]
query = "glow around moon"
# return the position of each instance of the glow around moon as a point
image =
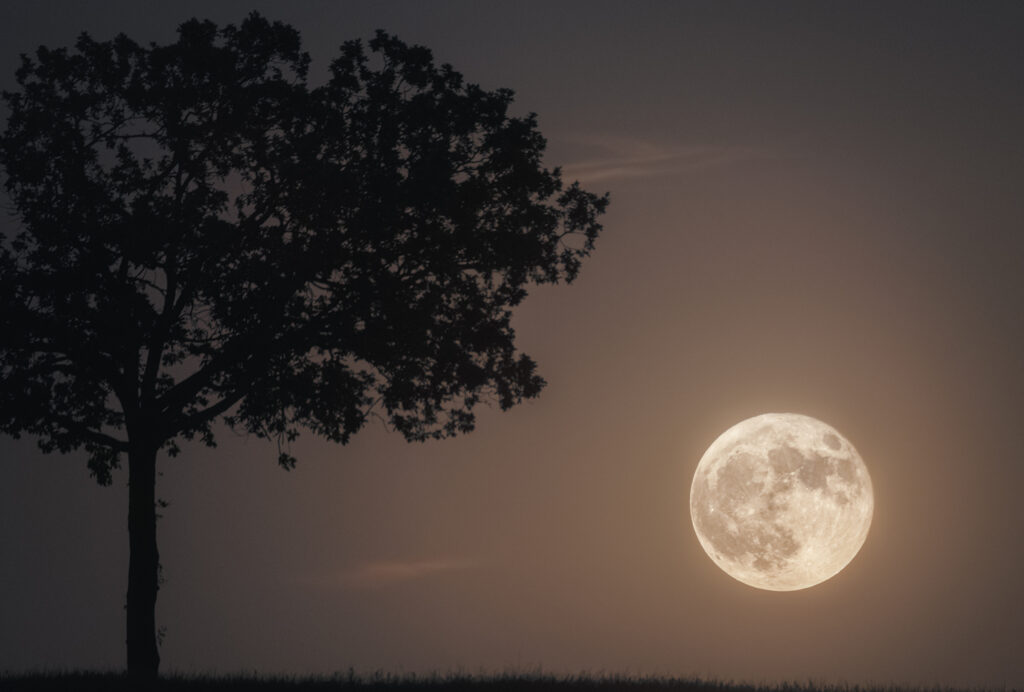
(781, 501)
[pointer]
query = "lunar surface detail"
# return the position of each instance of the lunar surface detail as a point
(781, 501)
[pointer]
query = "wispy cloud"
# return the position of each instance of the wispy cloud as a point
(607, 158)
(386, 572)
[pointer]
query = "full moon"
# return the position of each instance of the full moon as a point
(781, 501)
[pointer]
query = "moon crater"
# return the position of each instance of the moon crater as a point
(781, 501)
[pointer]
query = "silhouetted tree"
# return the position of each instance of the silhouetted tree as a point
(205, 236)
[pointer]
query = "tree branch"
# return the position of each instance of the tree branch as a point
(199, 419)
(83, 431)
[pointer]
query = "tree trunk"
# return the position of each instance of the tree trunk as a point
(143, 564)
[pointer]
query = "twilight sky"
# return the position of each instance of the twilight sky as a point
(816, 208)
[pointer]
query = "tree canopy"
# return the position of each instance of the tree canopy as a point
(204, 234)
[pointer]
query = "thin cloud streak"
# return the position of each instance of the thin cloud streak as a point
(388, 572)
(620, 158)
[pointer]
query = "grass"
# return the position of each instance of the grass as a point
(116, 682)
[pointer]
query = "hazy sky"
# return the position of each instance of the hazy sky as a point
(816, 208)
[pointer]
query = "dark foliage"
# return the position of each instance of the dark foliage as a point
(204, 236)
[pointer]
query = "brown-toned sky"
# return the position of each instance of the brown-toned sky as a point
(817, 207)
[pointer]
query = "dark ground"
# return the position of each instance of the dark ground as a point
(96, 682)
